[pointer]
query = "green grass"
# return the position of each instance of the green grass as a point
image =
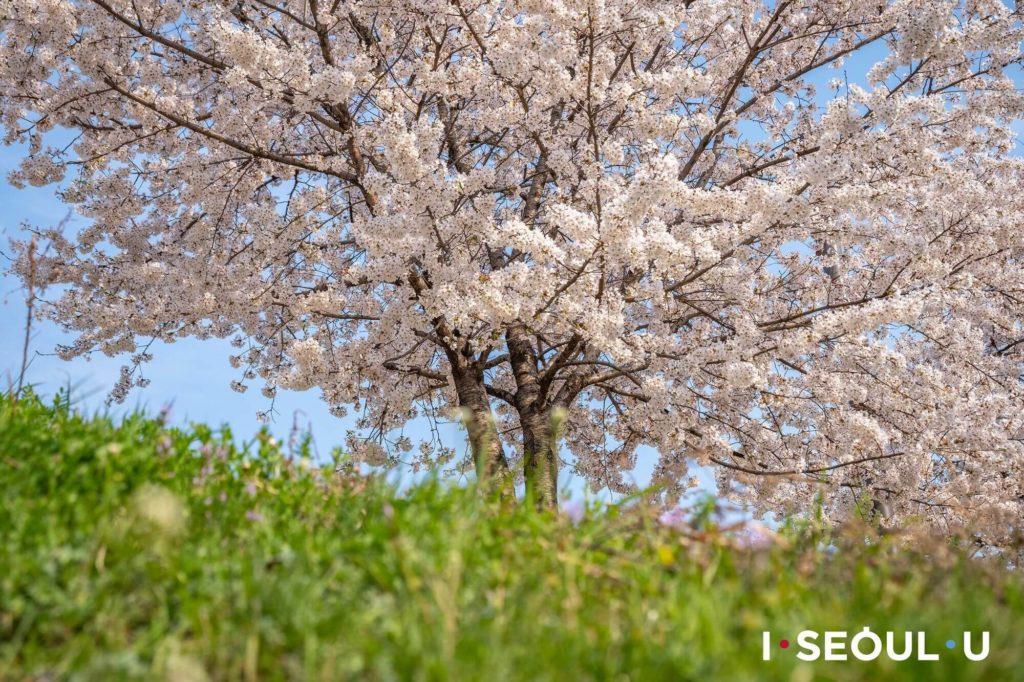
(134, 551)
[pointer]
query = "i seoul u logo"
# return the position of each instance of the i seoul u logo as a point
(867, 645)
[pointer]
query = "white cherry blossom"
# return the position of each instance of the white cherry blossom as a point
(659, 216)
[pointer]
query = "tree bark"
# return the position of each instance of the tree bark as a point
(540, 447)
(488, 455)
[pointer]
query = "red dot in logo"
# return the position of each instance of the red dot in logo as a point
(784, 644)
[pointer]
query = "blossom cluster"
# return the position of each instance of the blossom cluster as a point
(653, 215)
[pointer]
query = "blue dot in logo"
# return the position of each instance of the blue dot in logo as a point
(950, 644)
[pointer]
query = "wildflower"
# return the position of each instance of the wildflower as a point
(164, 445)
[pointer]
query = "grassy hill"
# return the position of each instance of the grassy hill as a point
(134, 551)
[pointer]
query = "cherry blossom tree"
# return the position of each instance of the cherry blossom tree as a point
(782, 239)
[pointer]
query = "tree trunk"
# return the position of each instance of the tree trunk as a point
(488, 456)
(540, 451)
(540, 446)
